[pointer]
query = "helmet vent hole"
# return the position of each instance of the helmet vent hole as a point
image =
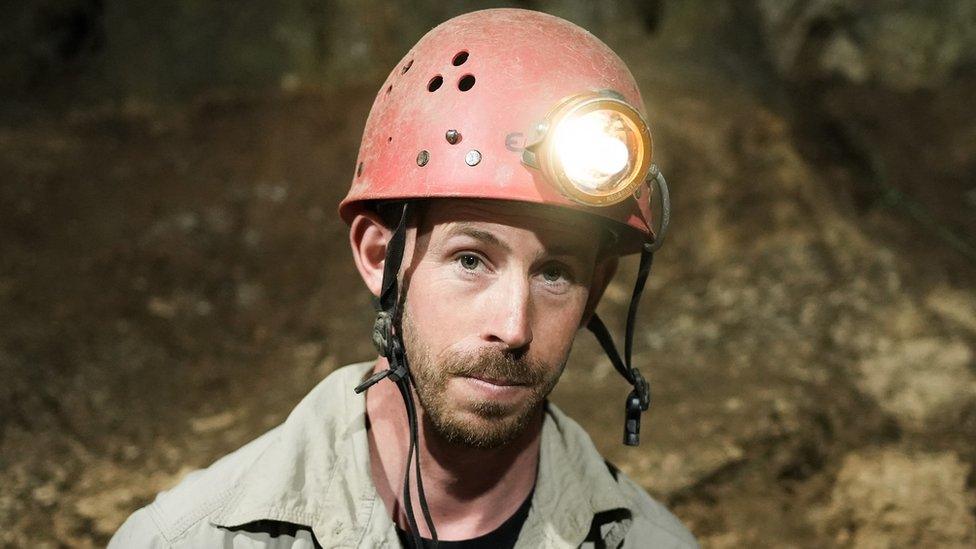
(389, 88)
(406, 67)
(466, 82)
(359, 170)
(435, 83)
(460, 58)
(389, 139)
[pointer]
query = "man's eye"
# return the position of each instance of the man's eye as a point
(554, 274)
(469, 262)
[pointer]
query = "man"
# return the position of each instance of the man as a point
(504, 167)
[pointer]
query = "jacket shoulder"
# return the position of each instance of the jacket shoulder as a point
(176, 511)
(139, 530)
(180, 515)
(652, 521)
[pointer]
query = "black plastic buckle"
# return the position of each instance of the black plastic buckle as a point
(638, 401)
(642, 389)
(632, 420)
(398, 361)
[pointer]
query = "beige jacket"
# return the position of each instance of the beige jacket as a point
(308, 480)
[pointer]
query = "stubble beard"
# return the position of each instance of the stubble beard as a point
(496, 424)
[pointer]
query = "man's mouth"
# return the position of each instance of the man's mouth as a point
(499, 381)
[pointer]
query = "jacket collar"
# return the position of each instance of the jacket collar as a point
(574, 485)
(317, 474)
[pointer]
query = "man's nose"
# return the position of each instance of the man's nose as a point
(509, 318)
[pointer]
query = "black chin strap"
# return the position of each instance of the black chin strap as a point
(388, 340)
(639, 399)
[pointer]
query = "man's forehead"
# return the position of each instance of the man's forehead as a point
(444, 214)
(551, 225)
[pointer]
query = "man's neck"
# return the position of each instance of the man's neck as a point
(470, 491)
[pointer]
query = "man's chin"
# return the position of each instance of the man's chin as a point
(484, 425)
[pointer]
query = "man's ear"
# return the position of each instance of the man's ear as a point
(602, 275)
(368, 237)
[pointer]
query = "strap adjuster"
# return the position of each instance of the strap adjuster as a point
(641, 389)
(638, 401)
(382, 332)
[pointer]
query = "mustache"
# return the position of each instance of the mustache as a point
(515, 370)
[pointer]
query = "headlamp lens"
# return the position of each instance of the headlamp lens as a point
(594, 147)
(593, 150)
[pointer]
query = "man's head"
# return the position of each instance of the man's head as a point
(494, 294)
(520, 138)
(503, 135)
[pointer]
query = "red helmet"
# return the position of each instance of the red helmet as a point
(477, 109)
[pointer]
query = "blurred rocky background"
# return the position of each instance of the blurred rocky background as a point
(173, 277)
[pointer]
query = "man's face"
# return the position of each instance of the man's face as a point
(496, 293)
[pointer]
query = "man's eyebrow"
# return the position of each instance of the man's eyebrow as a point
(466, 229)
(470, 231)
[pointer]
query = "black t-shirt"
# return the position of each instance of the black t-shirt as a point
(504, 536)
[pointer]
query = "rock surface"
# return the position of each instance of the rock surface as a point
(885, 498)
(906, 45)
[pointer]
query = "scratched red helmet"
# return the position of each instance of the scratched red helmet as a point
(511, 104)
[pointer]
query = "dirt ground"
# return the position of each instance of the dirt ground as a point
(174, 279)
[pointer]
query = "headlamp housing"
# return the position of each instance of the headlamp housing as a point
(594, 147)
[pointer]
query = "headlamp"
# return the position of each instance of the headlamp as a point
(594, 147)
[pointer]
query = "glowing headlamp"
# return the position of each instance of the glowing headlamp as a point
(594, 147)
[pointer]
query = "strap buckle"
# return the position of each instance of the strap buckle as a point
(638, 401)
(642, 389)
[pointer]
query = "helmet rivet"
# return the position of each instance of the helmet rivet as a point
(422, 158)
(472, 158)
(453, 137)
